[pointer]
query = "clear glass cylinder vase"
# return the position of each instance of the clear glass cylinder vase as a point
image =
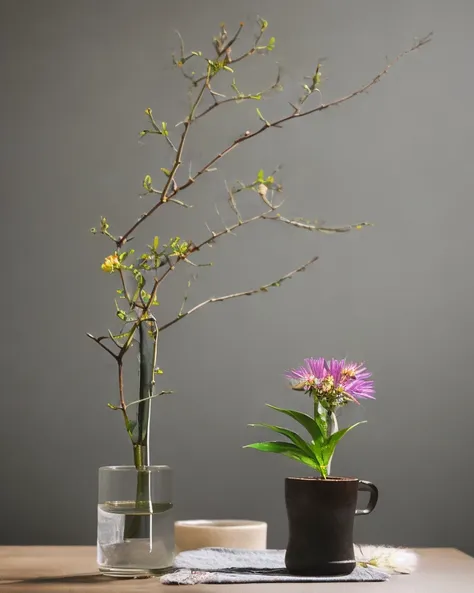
(135, 527)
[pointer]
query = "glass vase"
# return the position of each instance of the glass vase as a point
(135, 528)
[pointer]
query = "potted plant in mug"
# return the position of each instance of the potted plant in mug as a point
(135, 529)
(321, 509)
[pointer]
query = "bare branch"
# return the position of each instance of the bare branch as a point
(177, 162)
(120, 382)
(228, 230)
(143, 316)
(180, 203)
(301, 224)
(295, 115)
(167, 271)
(157, 130)
(240, 96)
(233, 203)
(186, 294)
(113, 339)
(125, 292)
(248, 135)
(225, 49)
(253, 49)
(266, 215)
(194, 265)
(227, 297)
(99, 341)
(139, 401)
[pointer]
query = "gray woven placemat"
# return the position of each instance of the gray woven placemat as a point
(225, 565)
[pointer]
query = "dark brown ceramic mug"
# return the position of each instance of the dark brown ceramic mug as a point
(321, 522)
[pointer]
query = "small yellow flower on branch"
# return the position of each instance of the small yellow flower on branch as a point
(111, 263)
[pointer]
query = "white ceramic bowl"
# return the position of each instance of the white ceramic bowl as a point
(243, 534)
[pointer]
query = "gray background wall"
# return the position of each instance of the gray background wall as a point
(76, 77)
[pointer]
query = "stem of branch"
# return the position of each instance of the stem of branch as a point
(120, 384)
(249, 135)
(239, 294)
(143, 316)
(122, 278)
(177, 162)
(322, 107)
(99, 341)
(139, 401)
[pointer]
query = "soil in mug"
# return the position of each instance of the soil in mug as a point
(133, 540)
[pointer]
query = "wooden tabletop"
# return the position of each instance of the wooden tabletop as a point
(73, 568)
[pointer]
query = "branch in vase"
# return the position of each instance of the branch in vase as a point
(125, 292)
(227, 297)
(138, 401)
(242, 96)
(230, 229)
(191, 117)
(219, 42)
(180, 203)
(186, 295)
(267, 215)
(161, 131)
(170, 180)
(143, 316)
(295, 115)
(99, 341)
(247, 135)
(123, 405)
(308, 226)
(223, 49)
(256, 48)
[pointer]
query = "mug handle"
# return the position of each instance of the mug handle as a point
(365, 486)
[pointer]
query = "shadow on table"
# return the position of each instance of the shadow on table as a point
(79, 579)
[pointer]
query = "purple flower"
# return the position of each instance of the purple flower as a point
(306, 377)
(357, 382)
(360, 389)
(333, 382)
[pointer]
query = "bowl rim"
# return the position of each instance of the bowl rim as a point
(226, 524)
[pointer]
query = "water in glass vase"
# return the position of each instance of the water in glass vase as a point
(133, 540)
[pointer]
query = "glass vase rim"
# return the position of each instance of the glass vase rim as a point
(134, 468)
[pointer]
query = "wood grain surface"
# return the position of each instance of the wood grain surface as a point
(73, 568)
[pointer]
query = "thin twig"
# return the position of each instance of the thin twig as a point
(322, 107)
(315, 227)
(226, 48)
(248, 135)
(99, 341)
(177, 162)
(167, 271)
(267, 215)
(239, 294)
(241, 97)
(168, 139)
(120, 383)
(233, 203)
(186, 294)
(122, 278)
(180, 203)
(227, 100)
(139, 401)
(155, 348)
(232, 41)
(229, 230)
(142, 317)
(252, 50)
